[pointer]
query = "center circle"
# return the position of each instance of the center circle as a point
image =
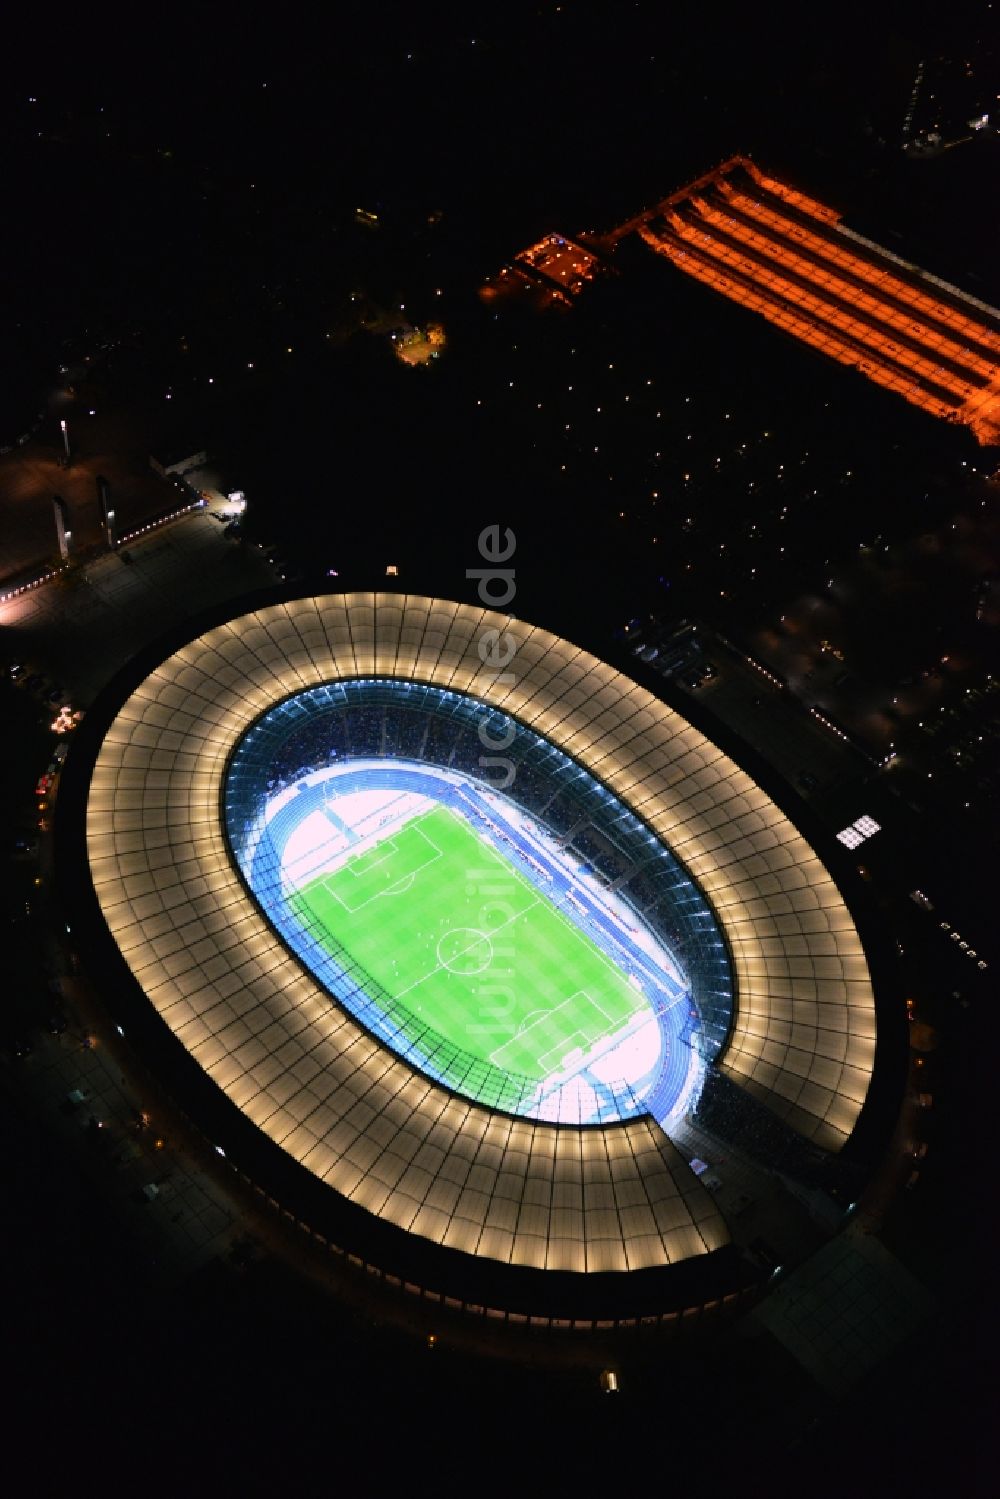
(465, 950)
(390, 858)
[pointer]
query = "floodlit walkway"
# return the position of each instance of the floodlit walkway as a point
(83, 626)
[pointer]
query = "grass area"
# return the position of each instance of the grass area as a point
(466, 945)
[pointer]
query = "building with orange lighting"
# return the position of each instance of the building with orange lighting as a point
(769, 247)
(555, 268)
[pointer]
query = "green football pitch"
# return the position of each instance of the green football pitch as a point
(461, 942)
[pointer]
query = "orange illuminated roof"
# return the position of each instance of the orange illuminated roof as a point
(779, 252)
(563, 265)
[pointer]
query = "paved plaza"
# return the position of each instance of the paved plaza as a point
(81, 628)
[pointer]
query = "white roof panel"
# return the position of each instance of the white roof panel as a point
(605, 1198)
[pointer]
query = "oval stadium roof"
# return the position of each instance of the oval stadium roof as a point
(554, 1197)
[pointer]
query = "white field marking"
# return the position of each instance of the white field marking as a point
(596, 1003)
(368, 813)
(360, 865)
(576, 995)
(477, 938)
(592, 1045)
(602, 1047)
(544, 1016)
(439, 967)
(511, 869)
(475, 794)
(406, 880)
(374, 827)
(399, 886)
(561, 1058)
(579, 933)
(537, 899)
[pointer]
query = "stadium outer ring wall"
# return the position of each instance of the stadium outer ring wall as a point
(439, 1272)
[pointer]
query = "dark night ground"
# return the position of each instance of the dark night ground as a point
(543, 123)
(138, 218)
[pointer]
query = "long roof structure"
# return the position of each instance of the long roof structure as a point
(773, 249)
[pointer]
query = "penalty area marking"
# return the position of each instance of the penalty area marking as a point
(543, 1022)
(371, 858)
(373, 867)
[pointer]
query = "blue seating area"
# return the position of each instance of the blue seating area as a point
(401, 736)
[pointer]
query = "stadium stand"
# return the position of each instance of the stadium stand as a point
(795, 1034)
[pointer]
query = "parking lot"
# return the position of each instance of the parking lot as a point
(752, 703)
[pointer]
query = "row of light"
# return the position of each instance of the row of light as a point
(53, 572)
(764, 672)
(155, 524)
(963, 946)
(45, 577)
(828, 724)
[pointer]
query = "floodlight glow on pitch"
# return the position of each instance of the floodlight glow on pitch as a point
(456, 923)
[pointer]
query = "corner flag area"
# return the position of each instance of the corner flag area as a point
(464, 944)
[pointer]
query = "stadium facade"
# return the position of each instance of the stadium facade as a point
(282, 827)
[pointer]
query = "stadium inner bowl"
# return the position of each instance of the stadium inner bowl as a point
(494, 915)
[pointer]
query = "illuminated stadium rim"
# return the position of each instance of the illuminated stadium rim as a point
(136, 807)
(709, 974)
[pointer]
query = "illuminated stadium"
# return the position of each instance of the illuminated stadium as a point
(517, 975)
(452, 963)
